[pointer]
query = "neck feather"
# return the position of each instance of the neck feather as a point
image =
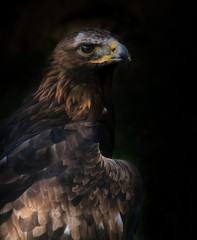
(80, 92)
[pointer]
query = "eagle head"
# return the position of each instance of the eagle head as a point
(93, 48)
(78, 72)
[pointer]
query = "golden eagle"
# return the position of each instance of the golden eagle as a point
(57, 178)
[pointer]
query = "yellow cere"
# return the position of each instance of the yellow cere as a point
(107, 58)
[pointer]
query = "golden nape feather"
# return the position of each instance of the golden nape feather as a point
(57, 176)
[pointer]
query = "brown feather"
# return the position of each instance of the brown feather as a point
(56, 182)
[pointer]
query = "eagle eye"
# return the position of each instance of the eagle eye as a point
(87, 48)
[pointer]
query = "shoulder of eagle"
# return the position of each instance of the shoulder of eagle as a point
(57, 177)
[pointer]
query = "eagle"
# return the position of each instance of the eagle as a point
(57, 176)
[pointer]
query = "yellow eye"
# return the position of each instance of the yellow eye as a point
(87, 48)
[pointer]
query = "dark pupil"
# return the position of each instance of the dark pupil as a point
(87, 48)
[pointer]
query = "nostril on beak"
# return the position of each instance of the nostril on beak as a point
(113, 50)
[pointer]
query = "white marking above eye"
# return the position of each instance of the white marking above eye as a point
(78, 39)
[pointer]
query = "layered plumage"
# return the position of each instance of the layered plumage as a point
(57, 178)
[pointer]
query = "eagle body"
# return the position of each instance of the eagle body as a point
(57, 177)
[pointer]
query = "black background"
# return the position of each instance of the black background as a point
(155, 99)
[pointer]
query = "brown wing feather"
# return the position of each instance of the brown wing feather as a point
(87, 199)
(55, 182)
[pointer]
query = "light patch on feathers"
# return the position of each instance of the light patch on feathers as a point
(24, 213)
(78, 39)
(101, 225)
(56, 212)
(3, 161)
(104, 110)
(67, 230)
(38, 231)
(82, 37)
(7, 207)
(119, 222)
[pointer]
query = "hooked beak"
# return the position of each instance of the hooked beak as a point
(121, 54)
(118, 53)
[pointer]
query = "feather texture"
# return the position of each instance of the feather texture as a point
(57, 177)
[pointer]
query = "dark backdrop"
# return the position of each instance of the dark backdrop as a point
(155, 98)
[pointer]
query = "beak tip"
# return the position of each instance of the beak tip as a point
(123, 54)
